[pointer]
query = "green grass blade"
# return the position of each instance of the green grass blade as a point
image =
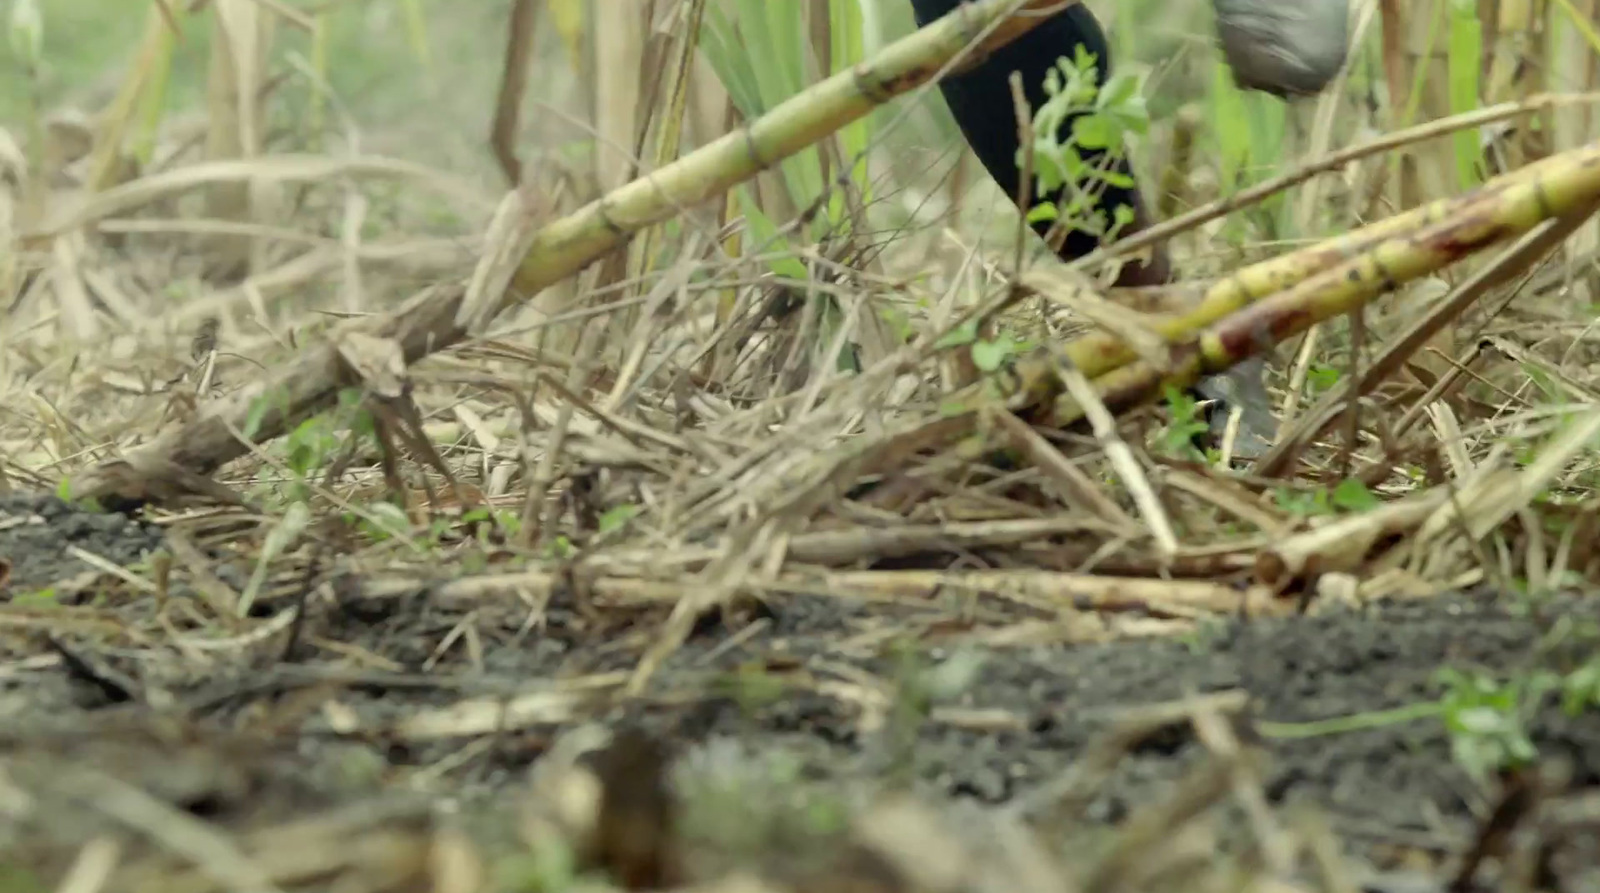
(1464, 63)
(417, 34)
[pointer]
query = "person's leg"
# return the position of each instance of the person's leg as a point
(981, 101)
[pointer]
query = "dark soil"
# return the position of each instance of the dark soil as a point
(37, 534)
(1393, 790)
(1388, 789)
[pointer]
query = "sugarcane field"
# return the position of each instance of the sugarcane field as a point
(788, 446)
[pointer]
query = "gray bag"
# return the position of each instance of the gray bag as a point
(1284, 47)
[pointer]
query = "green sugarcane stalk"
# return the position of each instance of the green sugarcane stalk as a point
(1501, 209)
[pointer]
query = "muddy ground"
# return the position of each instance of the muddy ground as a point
(793, 682)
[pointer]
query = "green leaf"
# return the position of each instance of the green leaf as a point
(990, 356)
(775, 248)
(1095, 131)
(1352, 495)
(618, 515)
(1123, 216)
(277, 541)
(417, 34)
(1230, 125)
(1322, 377)
(39, 598)
(256, 414)
(1044, 212)
(965, 333)
(762, 53)
(1463, 66)
(288, 529)
(1581, 689)
(385, 520)
(1302, 504)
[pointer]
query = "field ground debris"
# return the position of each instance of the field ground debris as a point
(690, 518)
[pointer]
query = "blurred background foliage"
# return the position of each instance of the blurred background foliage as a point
(418, 79)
